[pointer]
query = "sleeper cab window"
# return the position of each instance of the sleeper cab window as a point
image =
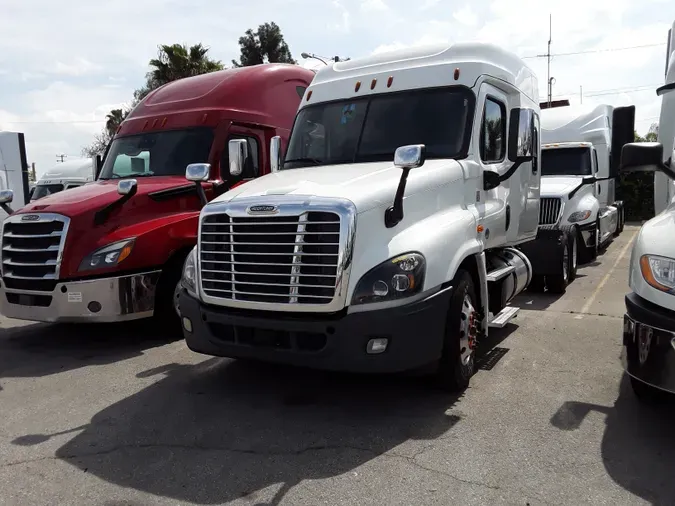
(493, 132)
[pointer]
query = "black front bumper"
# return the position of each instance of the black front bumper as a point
(335, 342)
(649, 343)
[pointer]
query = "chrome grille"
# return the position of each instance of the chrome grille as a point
(31, 251)
(549, 210)
(271, 259)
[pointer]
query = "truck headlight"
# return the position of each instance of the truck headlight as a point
(189, 277)
(579, 216)
(659, 272)
(108, 256)
(396, 278)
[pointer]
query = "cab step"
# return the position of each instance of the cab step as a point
(503, 317)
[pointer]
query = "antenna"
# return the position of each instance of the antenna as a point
(549, 79)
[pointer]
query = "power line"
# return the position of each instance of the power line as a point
(54, 122)
(614, 91)
(595, 51)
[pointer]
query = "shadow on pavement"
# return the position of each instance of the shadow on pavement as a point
(637, 445)
(222, 430)
(36, 350)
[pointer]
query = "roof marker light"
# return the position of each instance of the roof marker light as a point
(390, 81)
(164, 121)
(204, 117)
(145, 124)
(456, 75)
(154, 123)
(358, 85)
(372, 84)
(309, 95)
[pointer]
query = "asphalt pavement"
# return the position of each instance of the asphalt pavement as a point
(116, 415)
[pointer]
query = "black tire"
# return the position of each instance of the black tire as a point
(572, 240)
(538, 283)
(165, 315)
(454, 369)
(621, 221)
(647, 393)
(592, 252)
(557, 283)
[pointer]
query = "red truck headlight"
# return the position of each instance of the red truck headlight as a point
(108, 256)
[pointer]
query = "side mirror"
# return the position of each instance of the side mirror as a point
(238, 154)
(521, 143)
(127, 187)
(6, 196)
(409, 157)
(275, 154)
(198, 172)
(491, 180)
(642, 157)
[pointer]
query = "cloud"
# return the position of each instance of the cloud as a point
(58, 89)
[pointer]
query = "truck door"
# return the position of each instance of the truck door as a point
(255, 163)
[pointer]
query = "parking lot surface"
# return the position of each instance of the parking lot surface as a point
(117, 415)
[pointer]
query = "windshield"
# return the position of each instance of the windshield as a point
(165, 153)
(566, 162)
(42, 190)
(370, 129)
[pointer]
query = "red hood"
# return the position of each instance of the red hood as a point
(95, 196)
(161, 223)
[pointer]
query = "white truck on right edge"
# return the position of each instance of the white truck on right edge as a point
(581, 147)
(648, 353)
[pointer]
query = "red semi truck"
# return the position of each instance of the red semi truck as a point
(113, 250)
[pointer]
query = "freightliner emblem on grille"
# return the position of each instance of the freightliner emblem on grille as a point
(30, 217)
(262, 209)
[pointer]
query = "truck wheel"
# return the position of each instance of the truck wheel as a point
(620, 222)
(456, 365)
(557, 283)
(573, 247)
(166, 300)
(591, 253)
(647, 393)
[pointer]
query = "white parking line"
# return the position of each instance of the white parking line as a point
(595, 293)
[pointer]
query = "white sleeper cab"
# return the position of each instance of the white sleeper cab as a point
(389, 238)
(649, 323)
(581, 149)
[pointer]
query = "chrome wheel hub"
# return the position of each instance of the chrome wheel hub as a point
(467, 330)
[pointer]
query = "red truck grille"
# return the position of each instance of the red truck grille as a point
(280, 259)
(31, 252)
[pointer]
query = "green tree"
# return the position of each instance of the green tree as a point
(265, 45)
(173, 62)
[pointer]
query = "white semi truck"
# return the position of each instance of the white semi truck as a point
(63, 176)
(580, 152)
(649, 322)
(389, 237)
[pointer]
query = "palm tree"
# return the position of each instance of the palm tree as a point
(114, 119)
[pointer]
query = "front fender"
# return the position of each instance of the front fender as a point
(445, 239)
(582, 202)
(156, 240)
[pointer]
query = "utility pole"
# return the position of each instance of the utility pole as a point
(549, 80)
(62, 158)
(581, 94)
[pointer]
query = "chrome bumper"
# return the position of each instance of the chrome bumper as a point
(648, 354)
(97, 300)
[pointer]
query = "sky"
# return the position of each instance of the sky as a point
(63, 69)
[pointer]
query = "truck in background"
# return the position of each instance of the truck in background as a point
(580, 152)
(64, 176)
(13, 169)
(113, 250)
(388, 238)
(648, 353)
